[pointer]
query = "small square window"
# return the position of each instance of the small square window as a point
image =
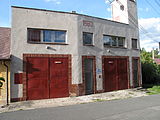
(87, 38)
(134, 43)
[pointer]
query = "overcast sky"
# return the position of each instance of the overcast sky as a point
(148, 13)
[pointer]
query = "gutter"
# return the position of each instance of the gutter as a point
(7, 81)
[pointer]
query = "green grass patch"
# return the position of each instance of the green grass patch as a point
(154, 90)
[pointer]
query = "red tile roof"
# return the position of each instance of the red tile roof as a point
(157, 60)
(5, 39)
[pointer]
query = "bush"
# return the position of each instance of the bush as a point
(150, 73)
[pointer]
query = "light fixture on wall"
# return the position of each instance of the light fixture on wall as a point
(108, 50)
(50, 48)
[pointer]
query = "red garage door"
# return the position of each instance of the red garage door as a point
(47, 77)
(115, 74)
(58, 77)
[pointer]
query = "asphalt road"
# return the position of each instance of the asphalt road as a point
(143, 108)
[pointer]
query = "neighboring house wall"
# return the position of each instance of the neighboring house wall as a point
(3, 90)
(5, 38)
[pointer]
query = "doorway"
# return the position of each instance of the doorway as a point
(89, 74)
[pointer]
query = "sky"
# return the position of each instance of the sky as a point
(148, 14)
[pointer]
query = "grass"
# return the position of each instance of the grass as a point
(154, 90)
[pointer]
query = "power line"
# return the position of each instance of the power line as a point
(133, 20)
(157, 3)
(153, 7)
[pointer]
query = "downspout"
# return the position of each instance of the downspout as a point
(7, 82)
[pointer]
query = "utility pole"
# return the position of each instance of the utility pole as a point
(153, 54)
(159, 47)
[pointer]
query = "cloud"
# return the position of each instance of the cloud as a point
(149, 37)
(54, 1)
(109, 9)
(107, 1)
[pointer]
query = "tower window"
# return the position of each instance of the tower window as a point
(122, 7)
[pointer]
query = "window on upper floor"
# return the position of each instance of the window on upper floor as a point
(46, 36)
(87, 38)
(113, 41)
(134, 44)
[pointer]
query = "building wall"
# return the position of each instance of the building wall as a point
(28, 18)
(3, 91)
(103, 27)
(74, 25)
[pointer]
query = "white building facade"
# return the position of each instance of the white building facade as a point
(60, 54)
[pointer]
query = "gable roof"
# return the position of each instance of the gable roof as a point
(5, 39)
(157, 60)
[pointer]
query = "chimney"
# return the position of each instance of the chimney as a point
(74, 12)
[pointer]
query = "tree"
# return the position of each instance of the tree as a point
(156, 52)
(150, 70)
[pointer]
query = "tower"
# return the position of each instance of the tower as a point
(125, 11)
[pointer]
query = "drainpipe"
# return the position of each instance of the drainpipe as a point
(7, 82)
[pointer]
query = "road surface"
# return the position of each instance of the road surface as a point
(143, 108)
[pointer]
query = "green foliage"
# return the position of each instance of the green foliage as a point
(150, 70)
(156, 53)
(146, 57)
(154, 90)
(1, 81)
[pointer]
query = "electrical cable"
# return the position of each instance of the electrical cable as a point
(134, 22)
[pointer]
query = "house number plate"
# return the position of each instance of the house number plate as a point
(57, 62)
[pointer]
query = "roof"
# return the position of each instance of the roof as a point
(5, 39)
(157, 60)
(73, 13)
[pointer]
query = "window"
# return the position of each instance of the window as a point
(113, 41)
(87, 38)
(34, 35)
(134, 43)
(46, 36)
(121, 41)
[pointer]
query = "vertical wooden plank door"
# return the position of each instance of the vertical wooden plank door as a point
(122, 73)
(115, 74)
(37, 78)
(47, 78)
(110, 74)
(59, 77)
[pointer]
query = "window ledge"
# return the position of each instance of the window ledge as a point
(135, 49)
(47, 43)
(89, 45)
(114, 47)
